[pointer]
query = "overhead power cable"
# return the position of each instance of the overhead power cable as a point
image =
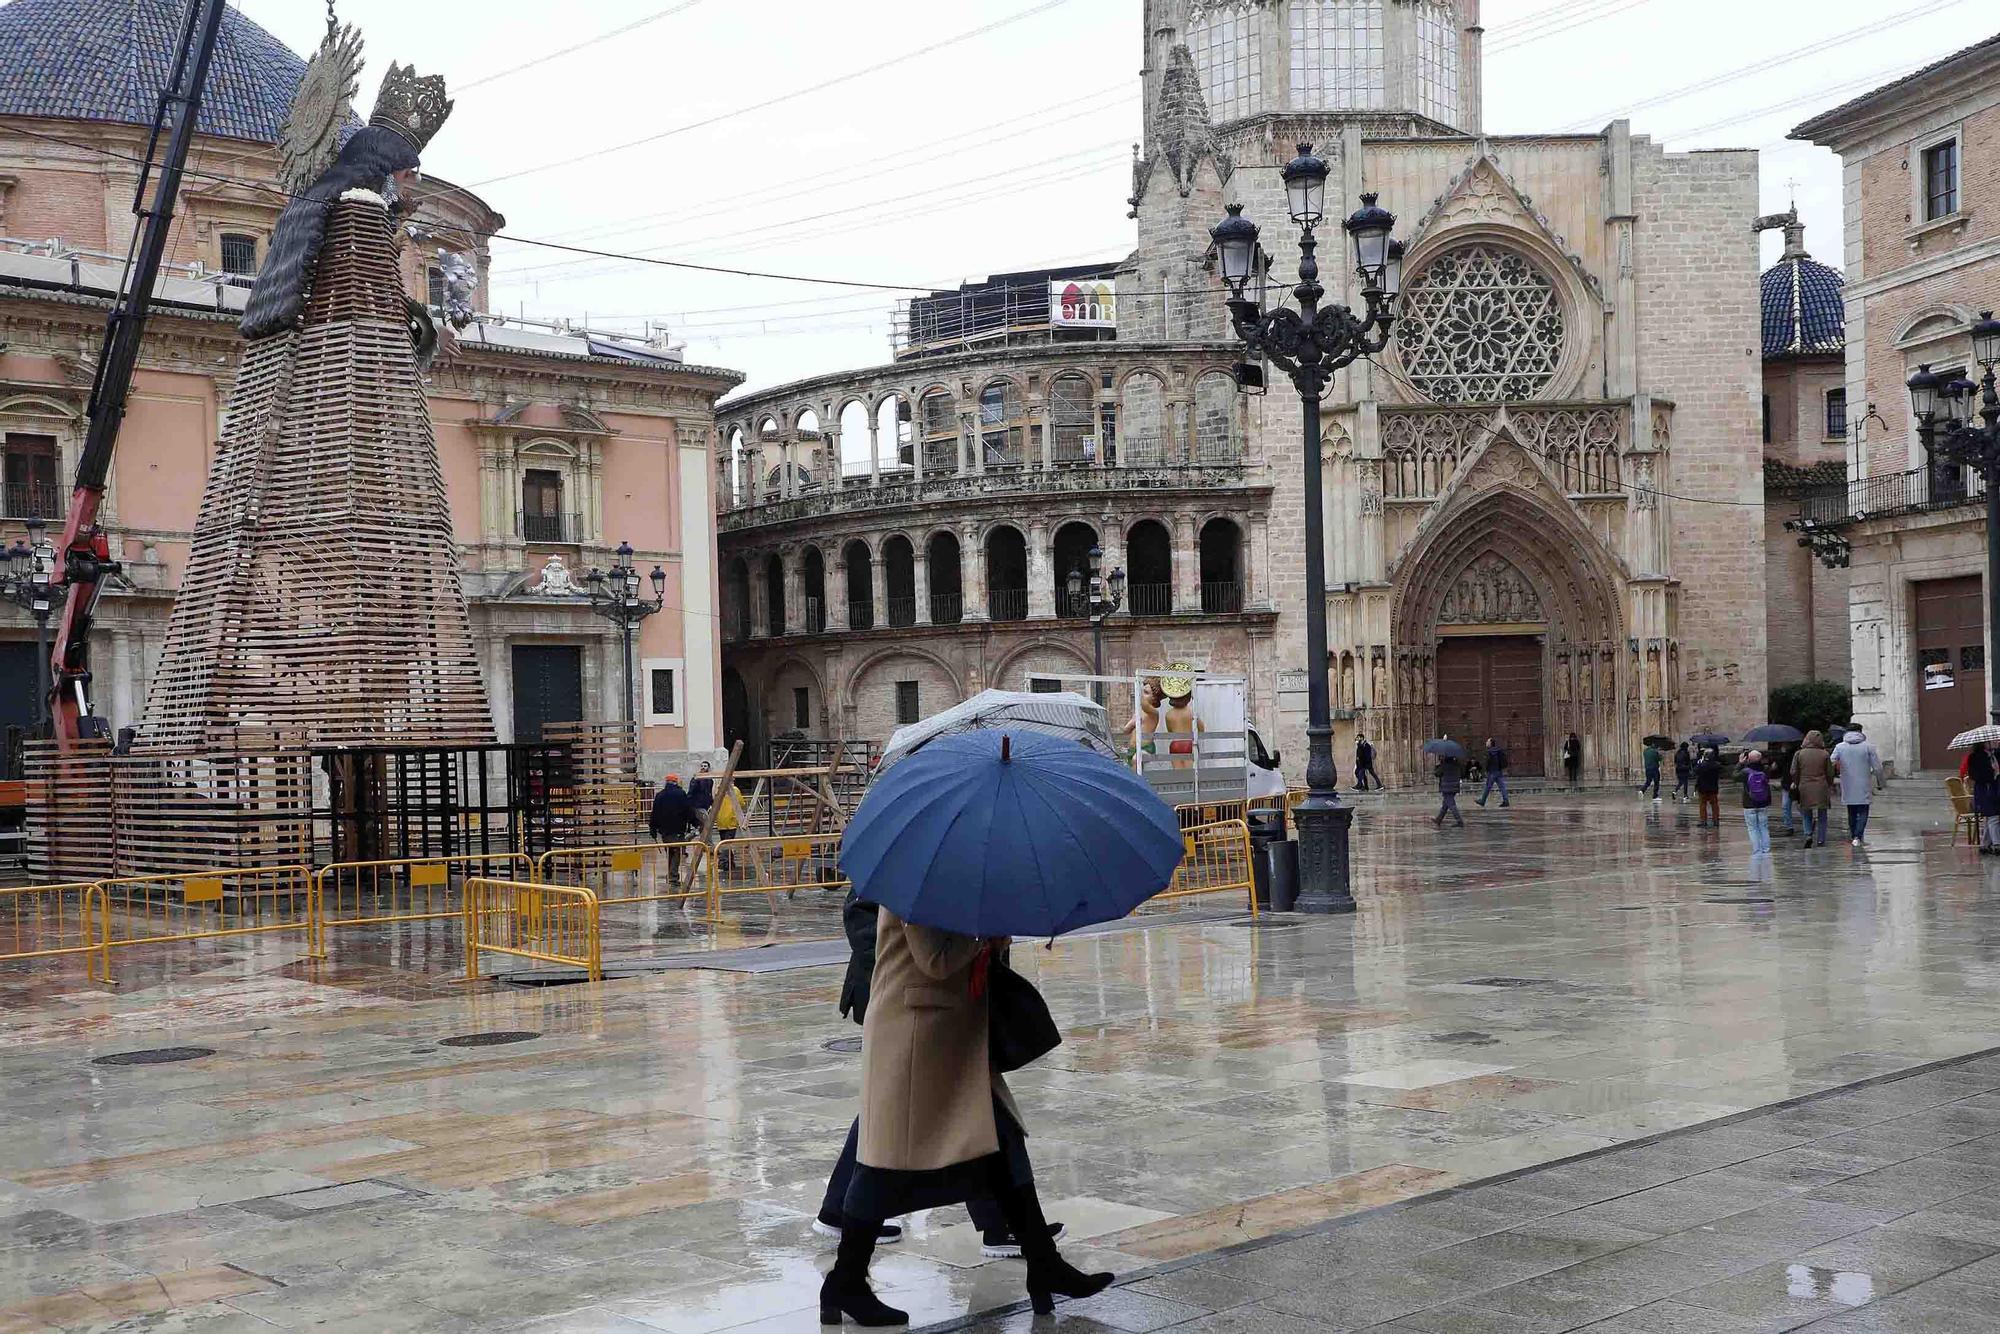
(765, 104)
(633, 26)
(1507, 40)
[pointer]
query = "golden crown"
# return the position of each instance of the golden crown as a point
(413, 107)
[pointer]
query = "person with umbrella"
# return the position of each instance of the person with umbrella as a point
(971, 841)
(1450, 774)
(1778, 761)
(1812, 775)
(1683, 771)
(1984, 776)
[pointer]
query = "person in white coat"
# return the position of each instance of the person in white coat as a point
(1857, 765)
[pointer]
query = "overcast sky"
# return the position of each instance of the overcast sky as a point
(938, 152)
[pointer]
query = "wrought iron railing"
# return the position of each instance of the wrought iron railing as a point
(30, 500)
(1072, 606)
(815, 616)
(947, 608)
(1224, 598)
(566, 528)
(1150, 599)
(1007, 604)
(902, 612)
(861, 616)
(1918, 491)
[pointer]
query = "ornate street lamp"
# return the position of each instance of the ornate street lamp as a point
(1944, 408)
(614, 595)
(1310, 344)
(27, 583)
(1107, 595)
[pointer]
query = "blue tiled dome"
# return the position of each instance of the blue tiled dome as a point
(110, 60)
(1801, 303)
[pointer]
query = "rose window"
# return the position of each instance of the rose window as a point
(1480, 324)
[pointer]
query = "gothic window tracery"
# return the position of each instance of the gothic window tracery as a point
(1480, 324)
(1226, 39)
(1437, 61)
(1422, 451)
(1336, 55)
(1582, 447)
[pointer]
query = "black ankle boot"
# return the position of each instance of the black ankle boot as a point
(1049, 1275)
(846, 1291)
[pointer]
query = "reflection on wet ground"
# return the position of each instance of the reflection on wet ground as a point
(1570, 975)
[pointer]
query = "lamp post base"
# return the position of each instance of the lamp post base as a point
(1324, 825)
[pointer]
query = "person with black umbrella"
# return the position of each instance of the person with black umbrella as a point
(1450, 773)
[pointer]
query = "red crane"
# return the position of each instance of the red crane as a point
(83, 556)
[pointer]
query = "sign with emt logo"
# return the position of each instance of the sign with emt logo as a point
(1087, 304)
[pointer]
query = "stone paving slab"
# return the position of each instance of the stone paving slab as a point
(1603, 1243)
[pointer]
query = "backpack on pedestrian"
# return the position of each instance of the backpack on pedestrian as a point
(1757, 786)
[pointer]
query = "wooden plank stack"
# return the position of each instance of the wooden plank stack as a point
(323, 595)
(599, 800)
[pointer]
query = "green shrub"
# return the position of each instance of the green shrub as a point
(1811, 704)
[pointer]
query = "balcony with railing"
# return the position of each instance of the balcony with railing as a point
(1223, 598)
(861, 615)
(1150, 599)
(566, 529)
(1007, 604)
(31, 500)
(1918, 491)
(1072, 606)
(947, 608)
(902, 612)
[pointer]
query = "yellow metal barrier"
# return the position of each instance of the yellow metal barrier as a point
(208, 905)
(1195, 814)
(1215, 860)
(777, 865)
(624, 873)
(547, 923)
(404, 889)
(45, 921)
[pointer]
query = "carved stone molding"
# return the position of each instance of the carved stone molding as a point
(1490, 591)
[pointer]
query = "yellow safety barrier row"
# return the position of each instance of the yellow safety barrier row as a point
(634, 872)
(1210, 812)
(45, 921)
(404, 889)
(1215, 860)
(208, 905)
(774, 865)
(555, 924)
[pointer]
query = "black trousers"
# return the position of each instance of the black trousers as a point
(985, 1213)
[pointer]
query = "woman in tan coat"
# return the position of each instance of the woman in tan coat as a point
(938, 1125)
(1812, 775)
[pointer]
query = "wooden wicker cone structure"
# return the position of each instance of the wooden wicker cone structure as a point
(322, 597)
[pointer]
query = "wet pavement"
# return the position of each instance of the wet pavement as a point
(1564, 977)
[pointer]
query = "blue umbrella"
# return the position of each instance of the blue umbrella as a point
(992, 834)
(1774, 734)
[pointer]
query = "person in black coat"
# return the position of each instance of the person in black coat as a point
(674, 812)
(1708, 789)
(858, 920)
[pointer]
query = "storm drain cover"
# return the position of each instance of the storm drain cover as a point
(155, 1056)
(842, 1044)
(488, 1039)
(1508, 982)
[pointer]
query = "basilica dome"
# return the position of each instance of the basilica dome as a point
(1801, 301)
(109, 60)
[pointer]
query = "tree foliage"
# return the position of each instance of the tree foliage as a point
(1807, 705)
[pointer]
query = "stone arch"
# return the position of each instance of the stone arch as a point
(1933, 323)
(1072, 416)
(1143, 428)
(1222, 552)
(872, 694)
(1041, 646)
(812, 587)
(1149, 567)
(1558, 589)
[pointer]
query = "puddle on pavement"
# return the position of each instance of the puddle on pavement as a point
(1841, 1285)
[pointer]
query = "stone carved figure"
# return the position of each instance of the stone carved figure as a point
(1379, 693)
(556, 580)
(1490, 591)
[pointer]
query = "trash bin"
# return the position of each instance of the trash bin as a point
(1267, 828)
(1284, 875)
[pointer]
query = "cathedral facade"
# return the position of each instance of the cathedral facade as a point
(1543, 499)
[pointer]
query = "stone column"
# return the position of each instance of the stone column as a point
(1187, 566)
(874, 452)
(760, 598)
(1179, 425)
(920, 567)
(795, 595)
(972, 573)
(836, 593)
(1257, 579)
(879, 591)
(753, 460)
(1038, 418)
(1041, 573)
(1111, 537)
(836, 459)
(917, 452)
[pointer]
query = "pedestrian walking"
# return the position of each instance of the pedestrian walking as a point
(673, 815)
(1683, 771)
(1812, 775)
(1983, 772)
(1779, 765)
(1857, 764)
(1757, 803)
(1649, 766)
(1496, 772)
(1572, 757)
(1364, 764)
(938, 1125)
(859, 921)
(1708, 789)
(1450, 773)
